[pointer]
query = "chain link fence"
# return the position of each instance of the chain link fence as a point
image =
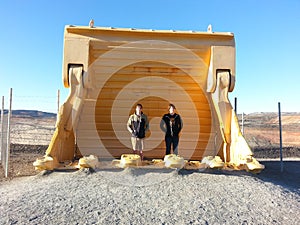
(28, 133)
(261, 131)
(25, 134)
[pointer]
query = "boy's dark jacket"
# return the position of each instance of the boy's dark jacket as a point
(171, 124)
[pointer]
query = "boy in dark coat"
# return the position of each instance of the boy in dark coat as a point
(171, 124)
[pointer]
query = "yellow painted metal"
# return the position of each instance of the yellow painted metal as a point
(46, 163)
(213, 162)
(128, 160)
(109, 70)
(174, 161)
(88, 162)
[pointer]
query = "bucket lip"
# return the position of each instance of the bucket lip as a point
(80, 29)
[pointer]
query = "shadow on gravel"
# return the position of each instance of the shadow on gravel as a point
(288, 179)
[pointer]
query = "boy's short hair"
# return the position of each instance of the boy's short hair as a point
(171, 105)
(140, 105)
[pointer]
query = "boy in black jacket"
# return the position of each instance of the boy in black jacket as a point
(171, 124)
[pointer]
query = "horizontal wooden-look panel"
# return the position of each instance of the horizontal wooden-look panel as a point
(107, 132)
(158, 153)
(180, 96)
(161, 108)
(151, 81)
(153, 84)
(98, 46)
(146, 67)
(123, 118)
(184, 65)
(106, 125)
(133, 75)
(106, 112)
(188, 78)
(99, 53)
(182, 104)
(110, 134)
(140, 53)
(82, 143)
(160, 49)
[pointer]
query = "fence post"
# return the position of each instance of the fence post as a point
(280, 137)
(235, 105)
(2, 128)
(8, 133)
(243, 123)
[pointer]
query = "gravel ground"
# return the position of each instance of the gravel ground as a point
(154, 196)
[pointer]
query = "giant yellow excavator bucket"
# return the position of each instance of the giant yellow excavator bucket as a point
(110, 70)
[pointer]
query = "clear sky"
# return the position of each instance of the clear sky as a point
(267, 35)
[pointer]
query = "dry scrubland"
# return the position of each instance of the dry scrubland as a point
(153, 196)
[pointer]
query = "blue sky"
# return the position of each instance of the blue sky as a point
(267, 35)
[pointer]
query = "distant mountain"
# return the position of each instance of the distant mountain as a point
(30, 114)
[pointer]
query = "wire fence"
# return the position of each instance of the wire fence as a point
(33, 125)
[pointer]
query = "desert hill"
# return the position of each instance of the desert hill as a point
(31, 114)
(31, 127)
(262, 129)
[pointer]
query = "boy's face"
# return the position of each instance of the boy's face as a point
(171, 110)
(138, 110)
